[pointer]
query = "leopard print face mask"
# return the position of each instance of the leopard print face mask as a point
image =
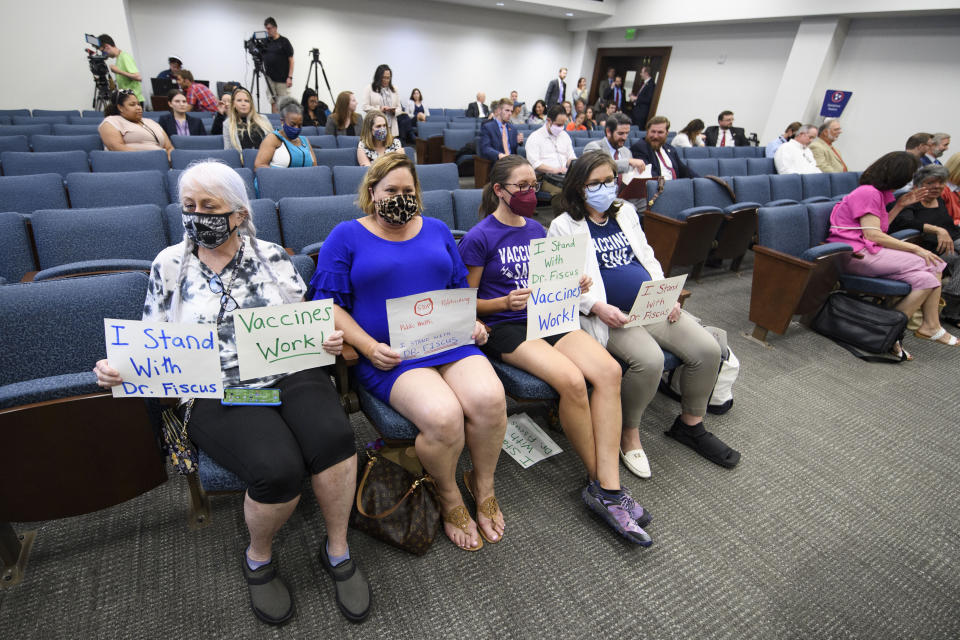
(398, 209)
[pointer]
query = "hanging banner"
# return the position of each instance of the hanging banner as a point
(834, 102)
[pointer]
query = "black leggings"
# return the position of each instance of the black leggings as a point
(272, 448)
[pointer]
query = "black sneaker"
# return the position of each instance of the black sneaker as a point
(350, 585)
(269, 596)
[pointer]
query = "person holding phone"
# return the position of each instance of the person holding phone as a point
(219, 267)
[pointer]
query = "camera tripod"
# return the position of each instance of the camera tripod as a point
(315, 53)
(255, 80)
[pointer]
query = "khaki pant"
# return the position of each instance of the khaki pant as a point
(279, 89)
(640, 348)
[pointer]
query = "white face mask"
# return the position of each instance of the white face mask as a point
(555, 130)
(601, 199)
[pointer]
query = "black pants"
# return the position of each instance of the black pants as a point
(272, 448)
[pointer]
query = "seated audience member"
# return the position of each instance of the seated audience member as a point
(538, 115)
(286, 147)
(498, 137)
(616, 130)
(125, 129)
(608, 110)
(589, 118)
(453, 396)
(375, 139)
(381, 95)
(218, 267)
(826, 156)
(576, 124)
(939, 143)
(315, 111)
(568, 109)
(691, 135)
(177, 122)
(567, 362)
(478, 109)
(861, 220)
(613, 94)
(773, 145)
(198, 95)
(344, 121)
(580, 93)
(579, 107)
(918, 145)
(223, 110)
(725, 134)
(793, 156)
(523, 107)
(951, 192)
(517, 116)
(244, 127)
(550, 150)
(619, 263)
(658, 153)
(171, 72)
(415, 106)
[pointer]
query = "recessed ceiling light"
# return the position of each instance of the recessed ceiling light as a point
(499, 4)
(568, 14)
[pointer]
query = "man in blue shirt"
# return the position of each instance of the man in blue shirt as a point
(498, 137)
(787, 135)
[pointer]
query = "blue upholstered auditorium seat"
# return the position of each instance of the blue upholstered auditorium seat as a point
(757, 189)
(14, 112)
(26, 130)
(86, 143)
(263, 212)
(466, 125)
(91, 113)
(816, 185)
(13, 143)
(336, 157)
(249, 157)
(323, 142)
(760, 166)
(429, 129)
(466, 205)
(181, 158)
(119, 161)
(346, 180)
(30, 120)
(718, 152)
(732, 166)
(16, 259)
(843, 183)
(26, 194)
(454, 113)
(438, 176)
(46, 113)
(348, 142)
(173, 182)
(453, 141)
(274, 183)
(211, 143)
(76, 130)
(30, 163)
(704, 166)
(748, 152)
(94, 190)
(692, 153)
(308, 221)
(439, 204)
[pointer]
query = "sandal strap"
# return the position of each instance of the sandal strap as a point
(489, 507)
(458, 517)
(939, 333)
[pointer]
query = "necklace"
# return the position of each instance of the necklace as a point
(599, 224)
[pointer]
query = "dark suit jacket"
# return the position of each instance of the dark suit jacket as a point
(739, 138)
(491, 144)
(194, 125)
(641, 103)
(556, 92)
(608, 96)
(642, 150)
(472, 111)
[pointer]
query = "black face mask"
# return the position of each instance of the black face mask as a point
(209, 230)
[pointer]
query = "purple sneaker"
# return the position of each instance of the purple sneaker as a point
(616, 515)
(637, 512)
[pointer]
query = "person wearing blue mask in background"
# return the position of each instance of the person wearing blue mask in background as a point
(286, 147)
(375, 139)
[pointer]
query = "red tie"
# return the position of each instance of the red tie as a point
(723, 138)
(663, 165)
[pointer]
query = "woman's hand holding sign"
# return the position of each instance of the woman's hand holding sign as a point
(107, 376)
(383, 357)
(609, 315)
(516, 300)
(334, 343)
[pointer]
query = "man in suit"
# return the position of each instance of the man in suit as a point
(498, 137)
(725, 134)
(643, 97)
(614, 93)
(826, 155)
(557, 89)
(918, 145)
(617, 128)
(939, 143)
(662, 157)
(478, 109)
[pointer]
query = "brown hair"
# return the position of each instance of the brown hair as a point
(499, 173)
(341, 109)
(378, 171)
(890, 171)
(658, 120)
(572, 198)
(186, 75)
(366, 134)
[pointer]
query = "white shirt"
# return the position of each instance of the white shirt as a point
(793, 157)
(725, 133)
(545, 149)
(480, 112)
(665, 164)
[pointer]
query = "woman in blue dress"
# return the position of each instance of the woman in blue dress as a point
(453, 397)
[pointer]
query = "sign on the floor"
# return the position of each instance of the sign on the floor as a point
(526, 442)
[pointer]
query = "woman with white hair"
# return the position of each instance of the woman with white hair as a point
(221, 266)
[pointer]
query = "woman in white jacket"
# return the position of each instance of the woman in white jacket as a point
(619, 263)
(381, 95)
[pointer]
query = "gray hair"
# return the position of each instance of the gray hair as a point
(806, 127)
(926, 172)
(826, 124)
(287, 106)
(940, 137)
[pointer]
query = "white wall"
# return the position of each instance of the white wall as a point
(448, 51)
(44, 65)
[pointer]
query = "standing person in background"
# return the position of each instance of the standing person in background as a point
(344, 121)
(277, 63)
(315, 111)
(643, 97)
(244, 127)
(177, 122)
(826, 156)
(171, 72)
(128, 77)
(725, 134)
(691, 135)
(787, 135)
(415, 106)
(198, 95)
(381, 95)
(614, 93)
(580, 93)
(557, 89)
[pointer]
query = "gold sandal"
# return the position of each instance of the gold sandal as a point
(488, 507)
(460, 518)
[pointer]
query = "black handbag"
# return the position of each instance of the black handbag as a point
(857, 325)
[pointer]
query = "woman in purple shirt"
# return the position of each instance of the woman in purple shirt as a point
(861, 220)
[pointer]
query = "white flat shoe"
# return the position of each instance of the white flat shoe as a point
(636, 461)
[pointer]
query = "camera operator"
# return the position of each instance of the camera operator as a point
(277, 62)
(128, 77)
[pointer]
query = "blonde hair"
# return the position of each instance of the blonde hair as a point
(378, 171)
(236, 123)
(366, 133)
(953, 168)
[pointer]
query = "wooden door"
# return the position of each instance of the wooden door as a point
(626, 61)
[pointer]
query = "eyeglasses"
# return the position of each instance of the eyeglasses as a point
(522, 187)
(227, 301)
(593, 188)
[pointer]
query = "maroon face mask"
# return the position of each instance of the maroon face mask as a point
(524, 203)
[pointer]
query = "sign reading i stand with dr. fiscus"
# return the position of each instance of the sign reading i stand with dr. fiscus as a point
(556, 264)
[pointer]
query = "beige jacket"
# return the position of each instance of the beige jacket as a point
(824, 156)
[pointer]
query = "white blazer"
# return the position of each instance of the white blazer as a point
(629, 222)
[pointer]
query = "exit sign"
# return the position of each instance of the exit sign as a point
(630, 34)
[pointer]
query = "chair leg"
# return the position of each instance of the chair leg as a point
(695, 272)
(759, 333)
(199, 504)
(735, 264)
(14, 551)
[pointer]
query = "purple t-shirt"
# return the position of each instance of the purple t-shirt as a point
(845, 219)
(503, 252)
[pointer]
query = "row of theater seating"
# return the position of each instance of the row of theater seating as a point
(26, 194)
(105, 238)
(69, 136)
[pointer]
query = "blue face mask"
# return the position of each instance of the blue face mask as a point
(601, 199)
(380, 134)
(291, 132)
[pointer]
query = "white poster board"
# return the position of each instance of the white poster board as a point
(282, 339)
(655, 301)
(556, 265)
(164, 359)
(431, 322)
(526, 442)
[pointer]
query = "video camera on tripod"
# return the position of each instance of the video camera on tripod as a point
(256, 46)
(102, 82)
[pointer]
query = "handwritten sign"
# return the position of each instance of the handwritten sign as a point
(427, 323)
(556, 265)
(164, 359)
(526, 442)
(283, 339)
(655, 301)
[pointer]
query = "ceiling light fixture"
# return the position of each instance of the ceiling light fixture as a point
(568, 14)
(499, 4)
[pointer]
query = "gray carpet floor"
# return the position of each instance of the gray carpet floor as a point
(840, 522)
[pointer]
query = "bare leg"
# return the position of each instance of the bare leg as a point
(263, 522)
(334, 488)
(912, 301)
(931, 312)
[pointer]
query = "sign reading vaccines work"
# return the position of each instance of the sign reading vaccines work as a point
(526, 442)
(164, 359)
(834, 102)
(427, 323)
(556, 265)
(283, 339)
(655, 301)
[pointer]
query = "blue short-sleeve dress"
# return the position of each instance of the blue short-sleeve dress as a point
(361, 271)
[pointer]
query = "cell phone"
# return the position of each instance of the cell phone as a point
(243, 396)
